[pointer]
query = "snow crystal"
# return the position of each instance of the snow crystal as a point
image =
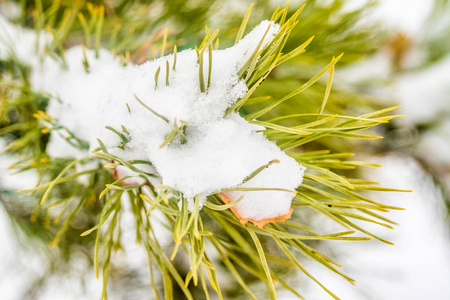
(219, 152)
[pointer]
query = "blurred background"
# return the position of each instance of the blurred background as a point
(396, 52)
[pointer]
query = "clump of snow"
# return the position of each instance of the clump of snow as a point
(219, 152)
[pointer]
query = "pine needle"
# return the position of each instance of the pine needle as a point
(241, 30)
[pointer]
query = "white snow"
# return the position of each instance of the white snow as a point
(23, 262)
(435, 145)
(417, 266)
(395, 15)
(9, 180)
(219, 152)
(21, 43)
(425, 93)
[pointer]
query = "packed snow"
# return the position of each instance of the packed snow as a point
(219, 152)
